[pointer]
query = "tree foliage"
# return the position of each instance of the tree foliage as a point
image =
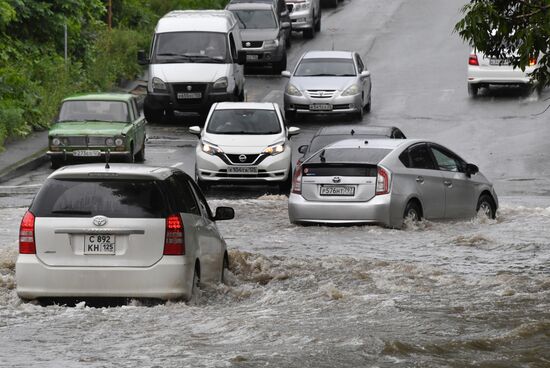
(518, 30)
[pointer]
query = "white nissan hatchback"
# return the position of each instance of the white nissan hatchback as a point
(119, 231)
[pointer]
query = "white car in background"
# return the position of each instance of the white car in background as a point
(484, 71)
(244, 142)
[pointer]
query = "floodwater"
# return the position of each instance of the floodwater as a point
(473, 293)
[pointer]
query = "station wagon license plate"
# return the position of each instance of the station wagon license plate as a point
(99, 244)
(189, 95)
(320, 107)
(87, 153)
(251, 57)
(499, 62)
(242, 170)
(337, 190)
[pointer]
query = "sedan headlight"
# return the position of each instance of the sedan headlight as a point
(211, 149)
(352, 90)
(302, 6)
(119, 142)
(274, 150)
(159, 85)
(269, 44)
(56, 142)
(109, 142)
(221, 83)
(292, 90)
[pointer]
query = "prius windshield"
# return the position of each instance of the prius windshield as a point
(244, 121)
(190, 47)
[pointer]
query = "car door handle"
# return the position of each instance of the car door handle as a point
(420, 179)
(448, 183)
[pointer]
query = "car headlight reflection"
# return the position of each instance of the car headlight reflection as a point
(352, 90)
(292, 90)
(211, 149)
(274, 150)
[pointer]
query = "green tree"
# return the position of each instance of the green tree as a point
(515, 29)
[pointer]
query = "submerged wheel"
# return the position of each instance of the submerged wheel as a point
(413, 212)
(225, 266)
(486, 206)
(472, 90)
(140, 156)
(195, 286)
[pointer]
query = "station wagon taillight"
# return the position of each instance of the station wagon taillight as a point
(297, 179)
(472, 60)
(26, 235)
(383, 181)
(174, 244)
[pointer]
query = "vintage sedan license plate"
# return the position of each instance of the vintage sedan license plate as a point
(337, 190)
(99, 244)
(499, 62)
(320, 107)
(242, 170)
(87, 153)
(251, 57)
(189, 95)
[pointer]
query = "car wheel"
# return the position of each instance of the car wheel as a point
(225, 266)
(280, 66)
(309, 33)
(360, 113)
(318, 24)
(195, 287)
(153, 115)
(486, 206)
(472, 90)
(130, 157)
(140, 156)
(56, 163)
(413, 212)
(242, 97)
(368, 105)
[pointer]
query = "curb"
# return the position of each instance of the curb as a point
(26, 164)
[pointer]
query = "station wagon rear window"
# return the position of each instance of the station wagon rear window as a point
(350, 155)
(88, 198)
(94, 111)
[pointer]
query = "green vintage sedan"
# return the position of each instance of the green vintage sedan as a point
(91, 125)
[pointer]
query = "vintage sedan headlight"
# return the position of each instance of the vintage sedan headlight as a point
(159, 85)
(110, 141)
(211, 149)
(221, 83)
(351, 90)
(292, 90)
(274, 150)
(119, 142)
(56, 142)
(271, 44)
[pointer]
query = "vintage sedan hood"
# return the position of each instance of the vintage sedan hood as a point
(338, 83)
(259, 34)
(189, 72)
(243, 143)
(100, 128)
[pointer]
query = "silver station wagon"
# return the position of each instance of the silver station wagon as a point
(386, 181)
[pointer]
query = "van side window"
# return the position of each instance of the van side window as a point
(232, 46)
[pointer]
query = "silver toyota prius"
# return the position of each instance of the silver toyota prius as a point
(385, 181)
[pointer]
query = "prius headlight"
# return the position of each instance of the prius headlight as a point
(292, 90)
(211, 149)
(352, 90)
(274, 150)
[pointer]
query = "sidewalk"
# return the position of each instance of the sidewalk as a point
(28, 153)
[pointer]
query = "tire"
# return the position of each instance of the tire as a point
(486, 205)
(413, 212)
(130, 158)
(140, 156)
(285, 186)
(195, 287)
(309, 33)
(225, 266)
(359, 114)
(241, 97)
(472, 90)
(56, 163)
(318, 24)
(368, 105)
(153, 115)
(280, 66)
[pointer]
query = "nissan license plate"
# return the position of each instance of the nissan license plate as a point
(320, 107)
(499, 62)
(251, 57)
(242, 170)
(99, 244)
(337, 190)
(87, 153)
(189, 95)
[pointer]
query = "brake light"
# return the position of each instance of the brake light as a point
(383, 181)
(26, 235)
(297, 179)
(532, 61)
(473, 60)
(174, 244)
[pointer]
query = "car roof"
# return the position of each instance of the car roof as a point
(101, 97)
(364, 130)
(119, 171)
(372, 143)
(328, 55)
(250, 6)
(196, 20)
(245, 105)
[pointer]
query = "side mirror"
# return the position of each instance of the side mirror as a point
(285, 74)
(471, 169)
(241, 57)
(303, 149)
(195, 130)
(365, 74)
(285, 25)
(224, 213)
(293, 131)
(142, 57)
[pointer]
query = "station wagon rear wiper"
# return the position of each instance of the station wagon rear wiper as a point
(72, 212)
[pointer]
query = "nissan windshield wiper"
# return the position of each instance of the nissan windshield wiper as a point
(72, 212)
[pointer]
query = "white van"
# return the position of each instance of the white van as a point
(193, 62)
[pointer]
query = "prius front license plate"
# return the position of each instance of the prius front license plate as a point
(242, 170)
(337, 190)
(87, 153)
(320, 107)
(99, 244)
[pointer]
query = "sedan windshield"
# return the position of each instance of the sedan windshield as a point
(255, 19)
(244, 121)
(116, 111)
(325, 67)
(191, 47)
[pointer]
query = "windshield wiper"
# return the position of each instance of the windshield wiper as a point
(215, 59)
(72, 212)
(319, 75)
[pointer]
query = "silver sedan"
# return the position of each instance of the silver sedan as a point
(328, 82)
(386, 181)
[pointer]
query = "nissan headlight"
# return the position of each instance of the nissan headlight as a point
(158, 84)
(292, 90)
(221, 83)
(352, 90)
(271, 44)
(211, 149)
(274, 150)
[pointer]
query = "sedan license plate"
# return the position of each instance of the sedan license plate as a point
(337, 190)
(251, 57)
(99, 244)
(499, 62)
(320, 107)
(87, 153)
(189, 95)
(242, 170)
